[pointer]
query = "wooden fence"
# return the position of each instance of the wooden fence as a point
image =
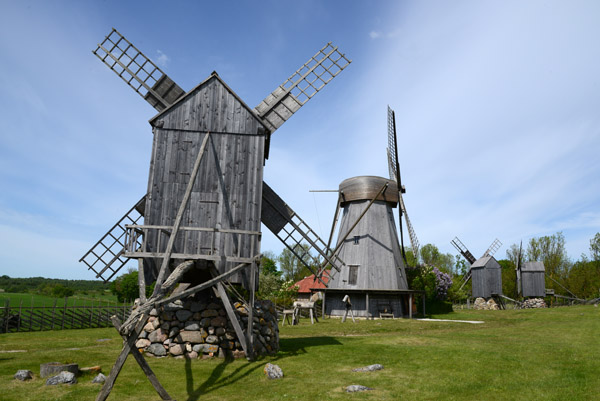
(38, 318)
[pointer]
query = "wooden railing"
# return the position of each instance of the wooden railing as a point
(204, 245)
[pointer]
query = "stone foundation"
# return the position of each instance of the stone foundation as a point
(199, 328)
(534, 303)
(482, 304)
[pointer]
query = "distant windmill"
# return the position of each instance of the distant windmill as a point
(206, 195)
(485, 271)
(374, 273)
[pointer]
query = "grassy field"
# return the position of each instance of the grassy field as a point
(28, 299)
(551, 354)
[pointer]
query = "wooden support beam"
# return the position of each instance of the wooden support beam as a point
(116, 369)
(143, 364)
(159, 292)
(249, 331)
(232, 317)
(200, 287)
(141, 281)
(186, 197)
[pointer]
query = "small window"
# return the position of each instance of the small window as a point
(356, 239)
(352, 274)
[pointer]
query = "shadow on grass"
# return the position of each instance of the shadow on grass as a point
(294, 346)
(216, 380)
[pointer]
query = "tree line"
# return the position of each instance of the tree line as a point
(59, 288)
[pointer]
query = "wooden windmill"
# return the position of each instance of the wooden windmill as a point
(206, 195)
(485, 272)
(374, 274)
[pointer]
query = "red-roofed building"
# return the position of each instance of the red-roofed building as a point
(309, 285)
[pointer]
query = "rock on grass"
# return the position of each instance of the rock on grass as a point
(354, 388)
(273, 371)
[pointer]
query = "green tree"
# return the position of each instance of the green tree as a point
(291, 266)
(431, 255)
(268, 264)
(125, 287)
(550, 250)
(60, 291)
(595, 247)
(509, 277)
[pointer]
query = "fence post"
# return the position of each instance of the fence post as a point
(31, 314)
(19, 321)
(53, 312)
(73, 315)
(62, 322)
(6, 314)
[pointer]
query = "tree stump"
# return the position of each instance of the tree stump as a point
(54, 368)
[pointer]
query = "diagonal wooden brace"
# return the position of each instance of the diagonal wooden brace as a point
(144, 365)
(116, 369)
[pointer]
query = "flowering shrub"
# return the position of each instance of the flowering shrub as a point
(430, 279)
(443, 282)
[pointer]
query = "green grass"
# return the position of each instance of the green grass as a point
(29, 300)
(551, 354)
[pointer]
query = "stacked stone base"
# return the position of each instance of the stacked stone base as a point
(198, 328)
(534, 303)
(482, 304)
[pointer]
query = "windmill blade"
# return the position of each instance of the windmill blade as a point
(298, 89)
(293, 232)
(107, 256)
(414, 241)
(392, 149)
(460, 247)
(138, 71)
(394, 169)
(493, 248)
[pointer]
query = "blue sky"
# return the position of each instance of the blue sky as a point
(496, 109)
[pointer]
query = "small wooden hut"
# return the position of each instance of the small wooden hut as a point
(532, 279)
(486, 277)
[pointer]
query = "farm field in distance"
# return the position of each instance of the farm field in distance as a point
(29, 299)
(543, 354)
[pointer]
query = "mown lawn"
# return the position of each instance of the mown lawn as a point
(551, 354)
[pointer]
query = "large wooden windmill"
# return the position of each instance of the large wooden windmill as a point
(374, 274)
(228, 199)
(206, 196)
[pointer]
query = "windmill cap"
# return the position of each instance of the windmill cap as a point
(367, 187)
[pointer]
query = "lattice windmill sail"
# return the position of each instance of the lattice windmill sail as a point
(394, 169)
(179, 124)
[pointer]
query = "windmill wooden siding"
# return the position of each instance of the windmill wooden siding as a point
(228, 190)
(377, 253)
(374, 267)
(533, 279)
(486, 276)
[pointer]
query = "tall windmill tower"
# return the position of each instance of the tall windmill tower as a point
(206, 196)
(374, 274)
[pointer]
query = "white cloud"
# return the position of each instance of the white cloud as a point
(162, 59)
(375, 34)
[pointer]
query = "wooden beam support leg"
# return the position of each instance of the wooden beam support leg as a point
(144, 365)
(250, 329)
(116, 369)
(232, 316)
